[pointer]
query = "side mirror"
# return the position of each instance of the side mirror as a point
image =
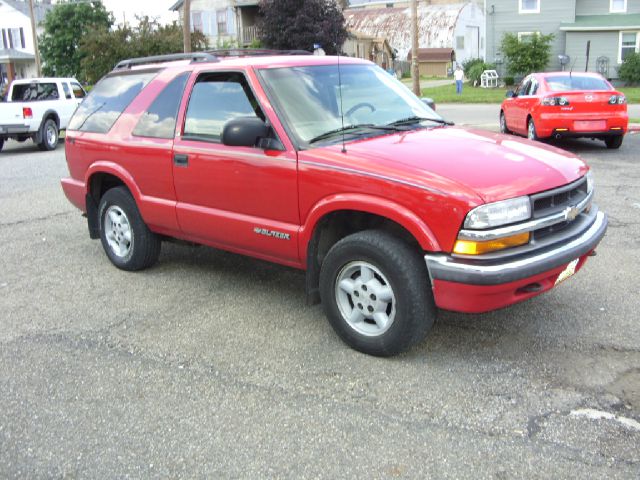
(429, 102)
(244, 132)
(511, 94)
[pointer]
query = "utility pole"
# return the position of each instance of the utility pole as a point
(35, 39)
(415, 69)
(186, 25)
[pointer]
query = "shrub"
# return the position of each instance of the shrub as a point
(509, 81)
(467, 65)
(526, 56)
(475, 72)
(629, 71)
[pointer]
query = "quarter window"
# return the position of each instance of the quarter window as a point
(159, 121)
(106, 102)
(78, 91)
(529, 6)
(215, 99)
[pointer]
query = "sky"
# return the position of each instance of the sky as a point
(130, 8)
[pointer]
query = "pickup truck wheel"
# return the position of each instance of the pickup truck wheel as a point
(1, 143)
(613, 143)
(375, 293)
(126, 239)
(50, 135)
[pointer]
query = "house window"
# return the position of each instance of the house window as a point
(460, 43)
(628, 44)
(526, 37)
(617, 6)
(529, 6)
(196, 21)
(221, 16)
(13, 38)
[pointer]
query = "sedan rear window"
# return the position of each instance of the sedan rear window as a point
(106, 102)
(567, 83)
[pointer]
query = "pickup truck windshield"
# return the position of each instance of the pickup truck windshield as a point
(309, 99)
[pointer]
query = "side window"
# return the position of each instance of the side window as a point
(67, 90)
(78, 91)
(159, 121)
(34, 92)
(533, 88)
(215, 99)
(524, 87)
(106, 102)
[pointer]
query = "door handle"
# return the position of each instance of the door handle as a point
(181, 160)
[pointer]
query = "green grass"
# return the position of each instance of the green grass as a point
(447, 94)
(634, 120)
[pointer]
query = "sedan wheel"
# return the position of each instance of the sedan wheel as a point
(531, 130)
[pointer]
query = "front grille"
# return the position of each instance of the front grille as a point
(558, 199)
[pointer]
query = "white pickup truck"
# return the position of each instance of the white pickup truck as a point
(38, 108)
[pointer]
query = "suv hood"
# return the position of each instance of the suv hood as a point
(471, 163)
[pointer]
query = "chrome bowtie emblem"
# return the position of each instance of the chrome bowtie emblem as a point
(570, 213)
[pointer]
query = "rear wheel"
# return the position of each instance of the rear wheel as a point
(531, 130)
(376, 294)
(613, 142)
(503, 124)
(1, 143)
(50, 135)
(126, 239)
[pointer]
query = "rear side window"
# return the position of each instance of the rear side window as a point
(67, 91)
(576, 82)
(159, 121)
(106, 102)
(34, 92)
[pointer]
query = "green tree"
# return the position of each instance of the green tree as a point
(527, 55)
(299, 24)
(102, 50)
(64, 27)
(629, 71)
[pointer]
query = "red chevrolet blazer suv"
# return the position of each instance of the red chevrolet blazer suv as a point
(332, 166)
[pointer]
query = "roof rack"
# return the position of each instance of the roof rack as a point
(254, 52)
(194, 57)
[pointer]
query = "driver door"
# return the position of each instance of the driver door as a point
(237, 198)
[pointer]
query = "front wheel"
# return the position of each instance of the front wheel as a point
(375, 293)
(503, 124)
(126, 239)
(613, 143)
(531, 130)
(50, 135)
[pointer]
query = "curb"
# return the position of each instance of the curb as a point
(634, 127)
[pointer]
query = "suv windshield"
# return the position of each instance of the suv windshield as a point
(309, 99)
(565, 83)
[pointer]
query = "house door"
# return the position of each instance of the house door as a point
(472, 42)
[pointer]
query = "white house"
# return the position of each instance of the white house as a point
(17, 52)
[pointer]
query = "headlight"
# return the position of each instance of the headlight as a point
(499, 213)
(589, 182)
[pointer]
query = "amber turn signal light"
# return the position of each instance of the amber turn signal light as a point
(470, 247)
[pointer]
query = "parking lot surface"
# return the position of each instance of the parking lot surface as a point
(210, 365)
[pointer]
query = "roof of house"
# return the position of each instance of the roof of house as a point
(434, 54)
(603, 22)
(177, 5)
(11, 54)
(39, 9)
(436, 25)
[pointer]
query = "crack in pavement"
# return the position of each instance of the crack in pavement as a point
(37, 219)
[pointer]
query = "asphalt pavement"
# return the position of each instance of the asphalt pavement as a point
(210, 365)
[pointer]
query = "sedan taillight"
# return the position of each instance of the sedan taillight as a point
(617, 100)
(555, 101)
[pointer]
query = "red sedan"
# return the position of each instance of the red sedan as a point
(563, 104)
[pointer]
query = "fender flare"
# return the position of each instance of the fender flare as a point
(367, 204)
(45, 115)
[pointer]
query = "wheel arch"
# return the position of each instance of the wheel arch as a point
(335, 218)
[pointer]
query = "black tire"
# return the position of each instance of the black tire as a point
(50, 135)
(138, 246)
(532, 133)
(394, 264)
(1, 143)
(503, 124)
(613, 143)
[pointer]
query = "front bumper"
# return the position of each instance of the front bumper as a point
(472, 286)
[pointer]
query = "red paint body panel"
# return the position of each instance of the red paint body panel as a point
(584, 105)
(464, 298)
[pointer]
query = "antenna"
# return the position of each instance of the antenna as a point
(344, 148)
(572, 65)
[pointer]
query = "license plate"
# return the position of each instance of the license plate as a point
(589, 125)
(568, 271)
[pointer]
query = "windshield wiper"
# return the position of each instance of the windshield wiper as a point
(415, 119)
(347, 128)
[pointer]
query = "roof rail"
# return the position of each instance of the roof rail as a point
(254, 52)
(194, 57)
